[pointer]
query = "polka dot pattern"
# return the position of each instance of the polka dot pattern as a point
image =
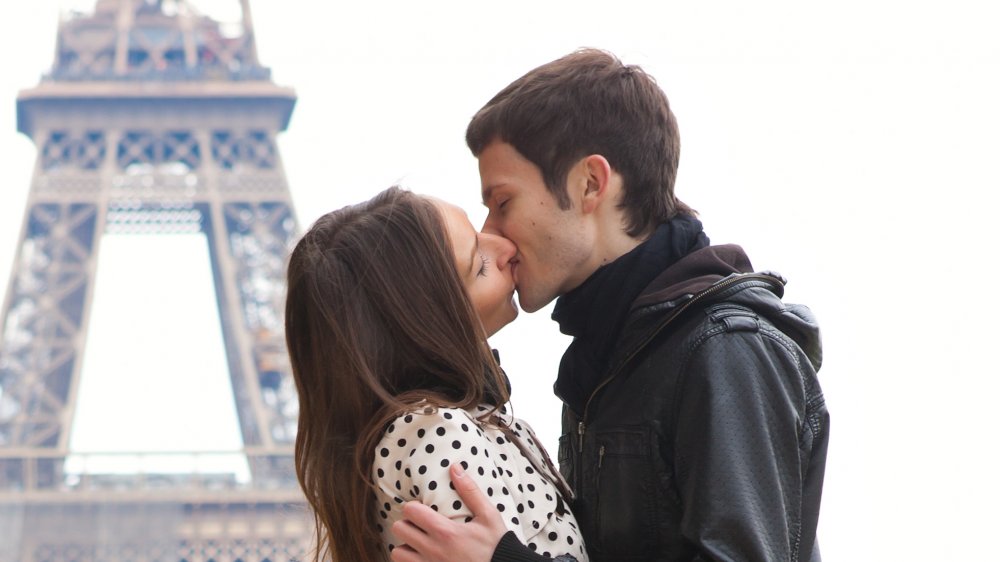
(411, 463)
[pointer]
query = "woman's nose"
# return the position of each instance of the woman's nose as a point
(503, 249)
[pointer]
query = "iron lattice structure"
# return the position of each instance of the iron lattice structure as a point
(153, 119)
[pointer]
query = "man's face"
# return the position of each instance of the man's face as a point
(553, 245)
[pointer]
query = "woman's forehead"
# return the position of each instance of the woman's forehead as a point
(460, 231)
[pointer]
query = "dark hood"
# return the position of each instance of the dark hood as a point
(701, 270)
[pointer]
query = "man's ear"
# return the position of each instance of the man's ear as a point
(596, 173)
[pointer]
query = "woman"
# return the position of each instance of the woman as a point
(389, 306)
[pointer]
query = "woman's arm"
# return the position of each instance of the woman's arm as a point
(412, 463)
(414, 484)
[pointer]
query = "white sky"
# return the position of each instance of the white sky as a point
(851, 146)
(151, 289)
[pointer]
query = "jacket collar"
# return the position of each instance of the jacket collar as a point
(711, 275)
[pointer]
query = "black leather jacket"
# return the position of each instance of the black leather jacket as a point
(707, 438)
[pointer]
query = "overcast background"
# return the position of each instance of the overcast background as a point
(852, 146)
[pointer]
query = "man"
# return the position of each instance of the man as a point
(694, 425)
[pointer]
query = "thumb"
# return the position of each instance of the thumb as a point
(471, 495)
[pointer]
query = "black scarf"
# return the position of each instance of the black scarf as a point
(595, 312)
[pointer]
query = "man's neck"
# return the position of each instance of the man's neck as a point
(612, 243)
(595, 312)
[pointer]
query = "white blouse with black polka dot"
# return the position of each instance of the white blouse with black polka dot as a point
(412, 460)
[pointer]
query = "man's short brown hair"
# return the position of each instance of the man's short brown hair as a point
(589, 102)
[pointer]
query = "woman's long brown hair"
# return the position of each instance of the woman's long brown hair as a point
(376, 320)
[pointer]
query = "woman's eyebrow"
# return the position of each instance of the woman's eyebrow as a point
(472, 258)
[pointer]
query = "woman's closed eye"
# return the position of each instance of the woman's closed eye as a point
(483, 266)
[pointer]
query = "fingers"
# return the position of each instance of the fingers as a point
(423, 519)
(471, 495)
(427, 535)
(404, 553)
(414, 542)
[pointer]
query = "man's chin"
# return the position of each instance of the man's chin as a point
(518, 298)
(527, 304)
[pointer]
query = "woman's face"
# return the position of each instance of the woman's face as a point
(482, 263)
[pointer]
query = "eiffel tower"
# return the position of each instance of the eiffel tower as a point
(155, 119)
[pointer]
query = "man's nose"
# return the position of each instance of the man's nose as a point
(491, 227)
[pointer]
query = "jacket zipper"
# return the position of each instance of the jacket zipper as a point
(581, 426)
(597, 496)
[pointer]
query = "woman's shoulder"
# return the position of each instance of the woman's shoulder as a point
(422, 442)
(423, 415)
(437, 420)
